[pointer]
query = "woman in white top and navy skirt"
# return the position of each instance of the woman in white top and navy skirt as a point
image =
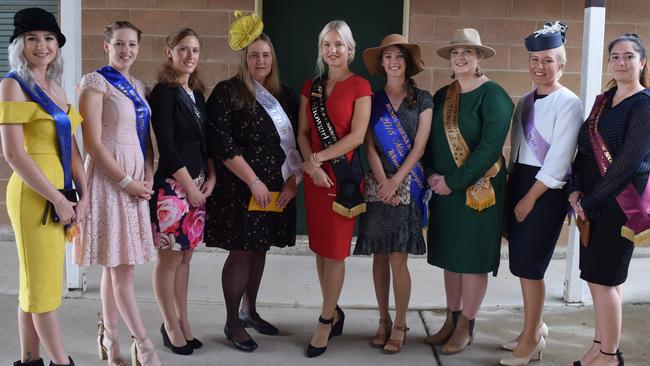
(544, 134)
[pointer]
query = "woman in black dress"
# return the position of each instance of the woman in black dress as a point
(258, 170)
(184, 179)
(616, 139)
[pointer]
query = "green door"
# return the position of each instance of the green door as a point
(294, 25)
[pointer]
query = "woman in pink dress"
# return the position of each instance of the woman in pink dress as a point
(117, 234)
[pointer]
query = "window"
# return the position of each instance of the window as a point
(7, 10)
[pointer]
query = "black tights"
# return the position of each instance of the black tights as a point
(240, 279)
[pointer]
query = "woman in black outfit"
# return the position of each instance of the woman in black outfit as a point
(258, 165)
(618, 123)
(184, 179)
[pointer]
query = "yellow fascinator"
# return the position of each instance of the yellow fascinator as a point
(244, 29)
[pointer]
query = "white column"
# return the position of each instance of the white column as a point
(590, 86)
(71, 27)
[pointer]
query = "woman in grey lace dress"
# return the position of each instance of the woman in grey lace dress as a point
(391, 229)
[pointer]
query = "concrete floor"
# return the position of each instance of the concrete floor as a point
(289, 298)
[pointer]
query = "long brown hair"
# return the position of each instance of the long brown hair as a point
(167, 75)
(245, 88)
(639, 47)
(411, 98)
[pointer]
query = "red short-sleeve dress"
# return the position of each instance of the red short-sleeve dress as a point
(329, 233)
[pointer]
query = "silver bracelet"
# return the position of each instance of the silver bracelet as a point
(125, 181)
(254, 182)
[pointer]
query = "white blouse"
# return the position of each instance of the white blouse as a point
(558, 118)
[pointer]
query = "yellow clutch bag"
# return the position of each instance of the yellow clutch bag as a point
(271, 207)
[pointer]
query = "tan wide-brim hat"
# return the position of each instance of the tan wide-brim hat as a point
(372, 56)
(466, 37)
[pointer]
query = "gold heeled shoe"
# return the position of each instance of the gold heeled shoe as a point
(107, 346)
(143, 355)
(382, 334)
(393, 346)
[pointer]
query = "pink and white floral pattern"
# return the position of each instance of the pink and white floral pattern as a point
(177, 225)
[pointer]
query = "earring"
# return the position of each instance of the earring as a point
(453, 75)
(479, 72)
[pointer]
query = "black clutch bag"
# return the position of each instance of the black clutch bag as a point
(70, 194)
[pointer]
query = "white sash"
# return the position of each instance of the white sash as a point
(293, 162)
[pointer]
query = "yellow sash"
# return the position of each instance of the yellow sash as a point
(480, 195)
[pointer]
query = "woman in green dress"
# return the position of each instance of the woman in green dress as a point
(464, 166)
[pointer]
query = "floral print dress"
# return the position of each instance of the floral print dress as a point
(178, 225)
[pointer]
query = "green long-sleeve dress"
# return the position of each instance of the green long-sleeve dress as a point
(461, 239)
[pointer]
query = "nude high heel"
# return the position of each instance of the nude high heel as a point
(536, 355)
(510, 346)
(107, 346)
(141, 354)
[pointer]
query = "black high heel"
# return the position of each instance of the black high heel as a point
(262, 326)
(194, 343)
(71, 363)
(337, 329)
(185, 349)
(248, 345)
(578, 363)
(618, 354)
(317, 351)
(38, 362)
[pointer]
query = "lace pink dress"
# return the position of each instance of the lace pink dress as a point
(117, 229)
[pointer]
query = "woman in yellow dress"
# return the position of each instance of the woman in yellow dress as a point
(36, 122)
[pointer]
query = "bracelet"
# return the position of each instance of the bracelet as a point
(254, 182)
(125, 181)
(314, 160)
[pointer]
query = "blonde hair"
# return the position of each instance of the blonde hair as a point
(18, 63)
(560, 54)
(245, 89)
(342, 28)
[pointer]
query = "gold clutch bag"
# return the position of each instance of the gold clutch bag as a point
(271, 207)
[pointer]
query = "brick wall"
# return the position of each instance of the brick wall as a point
(503, 24)
(158, 18)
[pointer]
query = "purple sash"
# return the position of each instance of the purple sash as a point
(534, 139)
(635, 207)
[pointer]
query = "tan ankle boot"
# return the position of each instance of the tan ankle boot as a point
(463, 336)
(445, 331)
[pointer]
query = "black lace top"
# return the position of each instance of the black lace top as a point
(626, 131)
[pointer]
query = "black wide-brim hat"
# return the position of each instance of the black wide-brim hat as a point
(36, 19)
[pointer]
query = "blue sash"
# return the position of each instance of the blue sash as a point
(396, 144)
(61, 121)
(142, 113)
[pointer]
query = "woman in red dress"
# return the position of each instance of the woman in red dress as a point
(346, 101)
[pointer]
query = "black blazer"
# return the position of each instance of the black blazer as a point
(180, 136)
